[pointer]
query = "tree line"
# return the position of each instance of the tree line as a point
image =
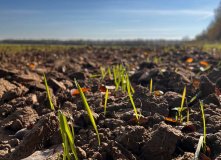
(213, 31)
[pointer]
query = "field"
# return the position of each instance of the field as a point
(136, 103)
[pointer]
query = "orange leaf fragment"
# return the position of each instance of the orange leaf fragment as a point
(218, 92)
(32, 65)
(171, 120)
(189, 60)
(189, 128)
(208, 151)
(141, 121)
(108, 79)
(75, 91)
(203, 157)
(145, 53)
(102, 88)
(196, 84)
(204, 63)
(158, 93)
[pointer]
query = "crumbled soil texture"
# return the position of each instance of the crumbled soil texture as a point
(29, 129)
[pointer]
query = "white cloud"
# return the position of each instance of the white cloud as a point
(202, 14)
(19, 11)
(170, 12)
(150, 29)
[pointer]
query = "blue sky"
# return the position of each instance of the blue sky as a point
(104, 19)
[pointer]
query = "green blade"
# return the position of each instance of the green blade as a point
(88, 109)
(105, 103)
(48, 93)
(131, 99)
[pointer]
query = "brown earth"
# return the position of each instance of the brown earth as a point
(24, 102)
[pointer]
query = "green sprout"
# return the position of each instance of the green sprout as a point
(200, 142)
(115, 76)
(188, 114)
(131, 99)
(105, 102)
(48, 93)
(102, 71)
(181, 109)
(109, 71)
(88, 109)
(194, 98)
(156, 59)
(95, 75)
(176, 69)
(151, 85)
(204, 128)
(67, 136)
(219, 63)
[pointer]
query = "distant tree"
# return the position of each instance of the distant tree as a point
(213, 32)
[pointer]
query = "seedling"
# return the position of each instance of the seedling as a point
(67, 136)
(95, 75)
(176, 69)
(188, 114)
(219, 63)
(105, 103)
(202, 70)
(131, 99)
(194, 98)
(181, 109)
(102, 71)
(88, 109)
(156, 59)
(48, 93)
(151, 85)
(109, 71)
(204, 128)
(196, 156)
(115, 76)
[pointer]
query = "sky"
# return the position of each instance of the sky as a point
(104, 19)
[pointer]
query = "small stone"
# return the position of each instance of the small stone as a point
(81, 153)
(55, 84)
(77, 75)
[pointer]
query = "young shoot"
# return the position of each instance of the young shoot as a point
(204, 128)
(105, 102)
(67, 137)
(88, 109)
(196, 156)
(187, 119)
(151, 85)
(181, 109)
(131, 99)
(48, 93)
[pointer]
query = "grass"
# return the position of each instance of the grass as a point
(204, 128)
(194, 98)
(48, 93)
(188, 115)
(196, 156)
(131, 99)
(151, 85)
(181, 109)
(88, 109)
(67, 137)
(105, 102)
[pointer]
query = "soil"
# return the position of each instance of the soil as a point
(29, 128)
